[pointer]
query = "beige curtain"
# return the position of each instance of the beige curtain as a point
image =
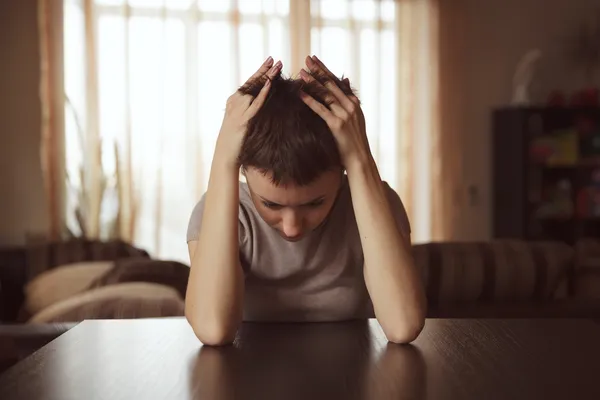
(52, 161)
(448, 189)
(146, 83)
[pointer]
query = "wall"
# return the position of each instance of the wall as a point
(22, 205)
(498, 34)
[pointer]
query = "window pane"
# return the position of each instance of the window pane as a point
(111, 85)
(368, 87)
(270, 6)
(388, 105)
(283, 7)
(250, 6)
(146, 3)
(252, 52)
(147, 124)
(330, 9)
(75, 117)
(267, 7)
(174, 163)
(75, 79)
(278, 39)
(157, 85)
(146, 64)
(388, 10)
(214, 5)
(168, 4)
(216, 82)
(110, 2)
(174, 79)
(334, 49)
(315, 41)
(365, 10)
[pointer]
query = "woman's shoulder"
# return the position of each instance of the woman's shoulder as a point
(397, 206)
(245, 197)
(195, 221)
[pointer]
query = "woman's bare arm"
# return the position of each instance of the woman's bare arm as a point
(391, 278)
(215, 288)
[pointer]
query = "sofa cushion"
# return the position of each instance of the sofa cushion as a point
(141, 269)
(501, 270)
(43, 255)
(121, 301)
(62, 282)
(587, 248)
(586, 285)
(586, 279)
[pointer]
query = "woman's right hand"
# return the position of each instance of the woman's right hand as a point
(239, 110)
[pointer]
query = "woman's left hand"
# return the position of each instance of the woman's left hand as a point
(344, 115)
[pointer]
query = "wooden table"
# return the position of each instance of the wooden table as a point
(452, 359)
(18, 341)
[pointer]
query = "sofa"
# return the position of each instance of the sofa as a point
(78, 279)
(500, 278)
(511, 279)
(47, 288)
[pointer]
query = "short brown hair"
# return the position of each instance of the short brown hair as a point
(286, 138)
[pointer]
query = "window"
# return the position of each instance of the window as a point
(147, 80)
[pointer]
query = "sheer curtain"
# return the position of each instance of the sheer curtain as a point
(145, 84)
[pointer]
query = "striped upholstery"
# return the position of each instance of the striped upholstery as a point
(587, 255)
(42, 255)
(143, 269)
(586, 280)
(121, 301)
(504, 270)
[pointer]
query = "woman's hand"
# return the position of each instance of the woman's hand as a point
(239, 110)
(344, 115)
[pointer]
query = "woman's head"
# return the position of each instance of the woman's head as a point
(293, 210)
(290, 158)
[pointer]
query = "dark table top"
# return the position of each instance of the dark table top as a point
(451, 359)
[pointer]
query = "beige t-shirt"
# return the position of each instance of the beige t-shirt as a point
(319, 278)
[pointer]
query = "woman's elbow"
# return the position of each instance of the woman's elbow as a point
(405, 332)
(404, 335)
(211, 333)
(214, 337)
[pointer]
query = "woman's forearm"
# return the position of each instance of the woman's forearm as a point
(393, 283)
(216, 286)
(214, 299)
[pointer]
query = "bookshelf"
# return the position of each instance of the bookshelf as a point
(546, 173)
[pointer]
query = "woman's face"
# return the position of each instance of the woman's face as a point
(294, 211)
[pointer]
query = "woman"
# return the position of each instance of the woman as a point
(314, 235)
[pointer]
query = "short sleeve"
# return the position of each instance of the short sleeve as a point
(398, 210)
(195, 223)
